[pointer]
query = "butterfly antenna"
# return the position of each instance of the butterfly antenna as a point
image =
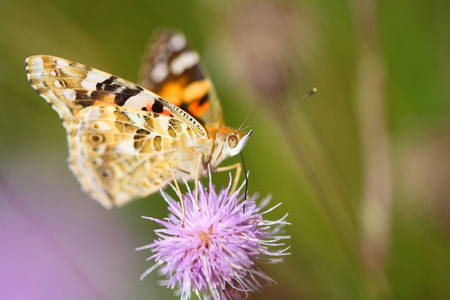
(312, 92)
(249, 114)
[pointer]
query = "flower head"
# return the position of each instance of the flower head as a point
(219, 249)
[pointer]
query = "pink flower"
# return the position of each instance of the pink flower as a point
(219, 249)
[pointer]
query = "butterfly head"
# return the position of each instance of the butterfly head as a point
(234, 141)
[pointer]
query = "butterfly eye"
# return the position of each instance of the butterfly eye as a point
(232, 141)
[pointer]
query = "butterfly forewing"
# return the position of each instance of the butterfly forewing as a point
(69, 87)
(171, 69)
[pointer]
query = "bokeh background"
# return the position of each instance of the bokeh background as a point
(363, 167)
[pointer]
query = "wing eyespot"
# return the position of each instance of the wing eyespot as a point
(97, 162)
(106, 174)
(95, 138)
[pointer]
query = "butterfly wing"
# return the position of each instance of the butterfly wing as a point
(70, 87)
(171, 69)
(123, 139)
(119, 154)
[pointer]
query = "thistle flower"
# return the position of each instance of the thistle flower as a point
(219, 249)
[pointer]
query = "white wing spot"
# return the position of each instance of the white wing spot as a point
(137, 119)
(96, 76)
(177, 42)
(125, 147)
(38, 60)
(37, 64)
(88, 85)
(61, 64)
(53, 73)
(93, 114)
(160, 72)
(139, 101)
(69, 94)
(57, 83)
(185, 60)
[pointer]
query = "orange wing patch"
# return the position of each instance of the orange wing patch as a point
(193, 97)
(173, 91)
(197, 97)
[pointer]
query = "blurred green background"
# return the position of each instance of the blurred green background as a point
(362, 167)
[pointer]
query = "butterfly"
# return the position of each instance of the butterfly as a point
(127, 141)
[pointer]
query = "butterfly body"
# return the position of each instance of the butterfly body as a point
(126, 142)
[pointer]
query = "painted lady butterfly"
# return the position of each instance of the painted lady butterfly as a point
(126, 142)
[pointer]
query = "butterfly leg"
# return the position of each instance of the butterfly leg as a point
(199, 165)
(238, 168)
(179, 195)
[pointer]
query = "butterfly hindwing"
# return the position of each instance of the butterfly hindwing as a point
(119, 154)
(171, 69)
